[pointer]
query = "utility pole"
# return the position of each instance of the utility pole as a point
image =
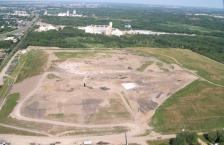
(223, 5)
(126, 139)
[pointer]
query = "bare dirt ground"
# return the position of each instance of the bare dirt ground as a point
(111, 139)
(121, 89)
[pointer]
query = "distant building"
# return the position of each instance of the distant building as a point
(46, 13)
(117, 32)
(87, 142)
(46, 27)
(67, 14)
(21, 13)
(13, 39)
(75, 14)
(127, 26)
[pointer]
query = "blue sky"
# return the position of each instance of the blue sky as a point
(195, 3)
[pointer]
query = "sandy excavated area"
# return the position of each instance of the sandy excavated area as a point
(116, 90)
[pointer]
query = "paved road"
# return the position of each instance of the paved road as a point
(4, 70)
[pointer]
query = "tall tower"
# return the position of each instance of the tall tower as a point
(223, 5)
(109, 29)
(111, 23)
(74, 12)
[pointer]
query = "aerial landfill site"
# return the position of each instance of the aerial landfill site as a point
(97, 89)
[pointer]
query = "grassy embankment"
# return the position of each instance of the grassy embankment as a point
(34, 65)
(11, 78)
(7, 108)
(98, 131)
(82, 54)
(203, 66)
(197, 107)
(11, 100)
(27, 65)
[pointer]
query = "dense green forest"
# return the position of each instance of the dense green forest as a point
(73, 38)
(5, 44)
(157, 19)
(209, 39)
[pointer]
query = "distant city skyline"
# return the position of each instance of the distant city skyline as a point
(189, 3)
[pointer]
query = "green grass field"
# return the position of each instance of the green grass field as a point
(9, 80)
(98, 131)
(35, 61)
(158, 142)
(205, 67)
(10, 103)
(78, 54)
(197, 107)
(5, 88)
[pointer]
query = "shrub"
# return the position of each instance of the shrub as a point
(220, 135)
(185, 138)
(212, 137)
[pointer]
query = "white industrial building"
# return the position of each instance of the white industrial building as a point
(117, 32)
(102, 29)
(67, 14)
(109, 31)
(74, 12)
(13, 39)
(149, 32)
(46, 27)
